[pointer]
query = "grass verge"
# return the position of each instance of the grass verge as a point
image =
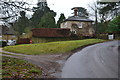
(17, 68)
(51, 47)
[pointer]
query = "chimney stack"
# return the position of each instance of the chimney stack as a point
(75, 11)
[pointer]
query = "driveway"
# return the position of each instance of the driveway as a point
(51, 64)
(96, 61)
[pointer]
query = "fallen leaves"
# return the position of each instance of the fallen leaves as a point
(16, 68)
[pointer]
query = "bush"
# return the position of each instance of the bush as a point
(3, 43)
(117, 36)
(101, 36)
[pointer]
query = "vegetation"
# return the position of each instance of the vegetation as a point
(15, 15)
(20, 25)
(43, 17)
(10, 9)
(51, 47)
(62, 18)
(108, 11)
(104, 13)
(3, 43)
(114, 25)
(39, 11)
(16, 68)
(101, 28)
(48, 20)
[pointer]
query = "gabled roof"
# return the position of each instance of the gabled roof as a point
(78, 18)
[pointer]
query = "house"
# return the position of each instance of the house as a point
(79, 25)
(40, 35)
(6, 33)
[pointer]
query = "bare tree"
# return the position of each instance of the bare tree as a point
(103, 13)
(94, 12)
(108, 10)
(9, 10)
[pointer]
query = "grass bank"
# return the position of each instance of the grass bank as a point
(51, 47)
(16, 68)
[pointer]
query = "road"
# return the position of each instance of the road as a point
(96, 61)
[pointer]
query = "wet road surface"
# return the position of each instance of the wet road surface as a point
(96, 61)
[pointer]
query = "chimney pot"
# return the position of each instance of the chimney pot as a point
(75, 11)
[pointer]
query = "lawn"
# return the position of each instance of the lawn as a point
(16, 68)
(51, 47)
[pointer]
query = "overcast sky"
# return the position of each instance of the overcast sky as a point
(60, 6)
(64, 6)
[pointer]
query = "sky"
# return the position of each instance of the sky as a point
(60, 6)
(64, 6)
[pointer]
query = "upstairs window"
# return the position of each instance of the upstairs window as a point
(80, 25)
(74, 25)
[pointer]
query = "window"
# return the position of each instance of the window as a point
(74, 32)
(80, 25)
(74, 25)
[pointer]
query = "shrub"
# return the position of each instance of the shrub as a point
(3, 43)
